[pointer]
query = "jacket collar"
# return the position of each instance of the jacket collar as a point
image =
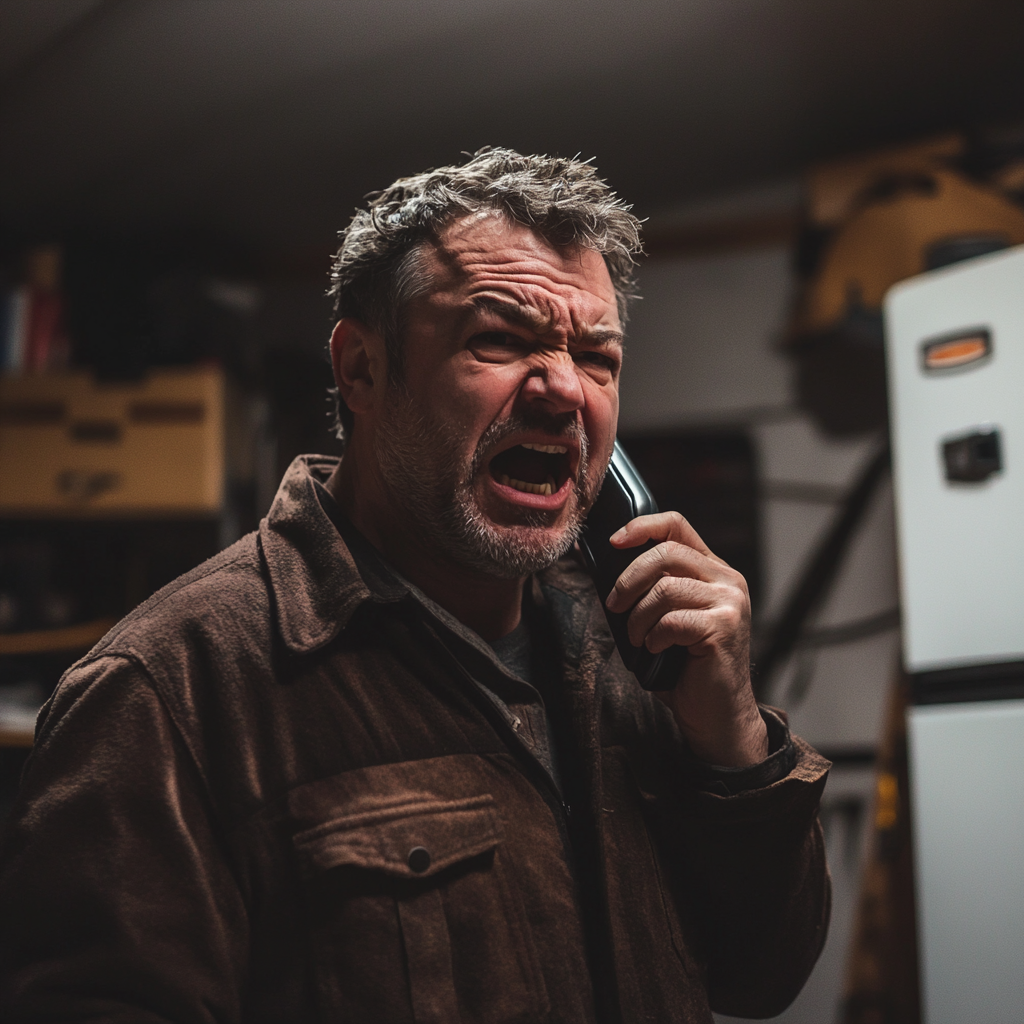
(316, 585)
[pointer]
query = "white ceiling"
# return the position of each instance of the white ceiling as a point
(268, 119)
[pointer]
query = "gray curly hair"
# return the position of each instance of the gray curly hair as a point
(378, 268)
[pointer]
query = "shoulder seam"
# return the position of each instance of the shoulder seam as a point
(140, 666)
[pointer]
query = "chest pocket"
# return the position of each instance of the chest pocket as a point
(413, 913)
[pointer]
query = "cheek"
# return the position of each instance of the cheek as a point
(482, 393)
(613, 406)
(602, 415)
(442, 387)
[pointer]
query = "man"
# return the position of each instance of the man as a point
(380, 761)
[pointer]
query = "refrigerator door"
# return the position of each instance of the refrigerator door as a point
(967, 780)
(955, 351)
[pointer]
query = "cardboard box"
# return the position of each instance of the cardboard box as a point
(73, 446)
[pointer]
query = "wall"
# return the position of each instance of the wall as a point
(702, 349)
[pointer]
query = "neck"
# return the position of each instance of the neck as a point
(489, 605)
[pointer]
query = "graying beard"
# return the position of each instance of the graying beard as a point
(444, 510)
(500, 552)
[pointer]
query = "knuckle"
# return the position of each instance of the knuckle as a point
(660, 636)
(663, 553)
(666, 588)
(679, 619)
(730, 618)
(625, 580)
(734, 578)
(735, 590)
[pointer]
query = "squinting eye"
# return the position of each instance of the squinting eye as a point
(498, 346)
(499, 338)
(597, 359)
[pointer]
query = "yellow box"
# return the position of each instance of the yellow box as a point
(74, 446)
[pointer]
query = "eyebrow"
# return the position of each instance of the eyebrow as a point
(604, 337)
(525, 316)
(513, 312)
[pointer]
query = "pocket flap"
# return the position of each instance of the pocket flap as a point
(409, 840)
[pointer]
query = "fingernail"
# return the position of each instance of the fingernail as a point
(613, 597)
(618, 534)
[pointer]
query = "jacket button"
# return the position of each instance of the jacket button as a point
(419, 859)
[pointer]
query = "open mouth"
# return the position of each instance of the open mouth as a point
(533, 468)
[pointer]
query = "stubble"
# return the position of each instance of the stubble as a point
(424, 466)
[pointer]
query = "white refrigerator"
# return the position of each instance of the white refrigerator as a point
(955, 356)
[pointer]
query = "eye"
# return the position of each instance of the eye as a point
(598, 363)
(498, 346)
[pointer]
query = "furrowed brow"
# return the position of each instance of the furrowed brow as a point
(512, 312)
(529, 318)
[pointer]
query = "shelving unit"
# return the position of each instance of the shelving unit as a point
(108, 491)
(49, 641)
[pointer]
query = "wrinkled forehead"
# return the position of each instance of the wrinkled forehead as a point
(488, 249)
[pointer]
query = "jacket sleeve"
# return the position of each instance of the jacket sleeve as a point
(117, 902)
(756, 875)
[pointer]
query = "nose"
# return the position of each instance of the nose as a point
(554, 385)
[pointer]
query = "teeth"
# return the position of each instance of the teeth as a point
(522, 485)
(551, 449)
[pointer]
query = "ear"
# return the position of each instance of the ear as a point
(357, 355)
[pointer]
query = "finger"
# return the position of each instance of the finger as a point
(658, 527)
(669, 594)
(682, 627)
(667, 559)
(701, 630)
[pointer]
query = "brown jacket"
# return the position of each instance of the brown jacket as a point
(271, 795)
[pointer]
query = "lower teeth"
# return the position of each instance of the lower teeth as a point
(522, 485)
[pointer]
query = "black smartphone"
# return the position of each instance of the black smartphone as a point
(623, 497)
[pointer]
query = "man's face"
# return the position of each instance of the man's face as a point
(497, 441)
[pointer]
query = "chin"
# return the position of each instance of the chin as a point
(513, 551)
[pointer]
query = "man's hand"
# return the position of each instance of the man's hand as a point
(683, 594)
